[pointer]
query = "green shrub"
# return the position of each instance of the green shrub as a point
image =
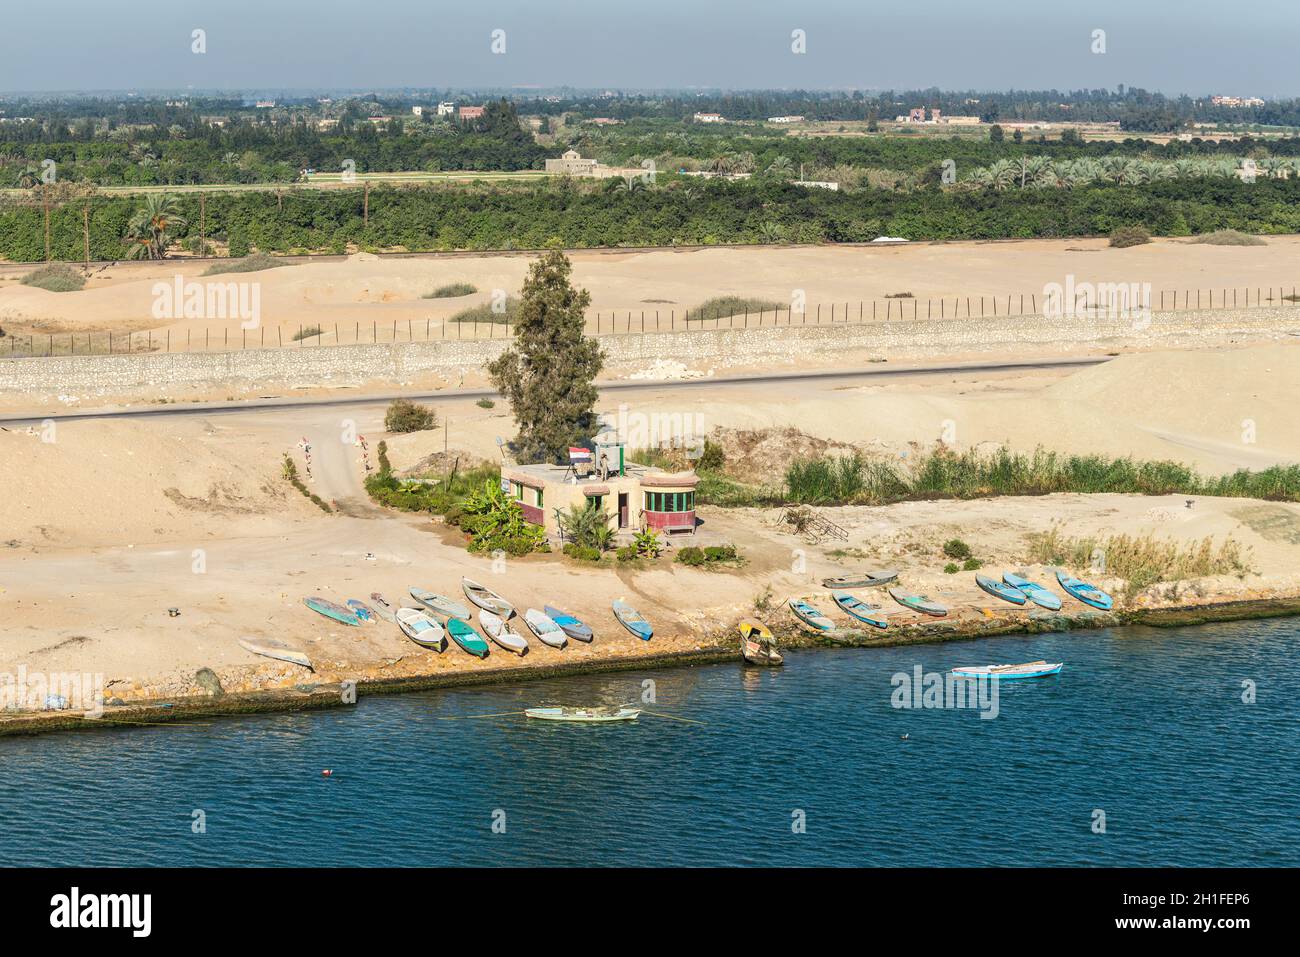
(712, 458)
(496, 522)
(956, 548)
(627, 553)
(720, 553)
(451, 291)
(485, 313)
(647, 543)
(690, 555)
(486, 404)
(56, 277)
(951, 568)
(721, 307)
(584, 553)
(307, 332)
(1126, 236)
(404, 415)
(972, 565)
(254, 263)
(1227, 237)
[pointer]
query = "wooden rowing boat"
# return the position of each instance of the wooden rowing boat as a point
(574, 628)
(382, 607)
(421, 629)
(441, 604)
(1000, 590)
(495, 627)
(468, 640)
(1033, 591)
(545, 628)
(1082, 591)
(810, 616)
(277, 649)
(588, 715)
(487, 599)
(863, 580)
(332, 610)
(856, 608)
(1029, 669)
(757, 646)
(918, 603)
(632, 620)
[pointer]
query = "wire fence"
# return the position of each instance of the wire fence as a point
(1100, 301)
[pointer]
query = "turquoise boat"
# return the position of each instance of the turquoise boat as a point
(1082, 591)
(332, 610)
(572, 627)
(999, 590)
(855, 608)
(1030, 669)
(810, 616)
(632, 620)
(1033, 591)
(469, 640)
(918, 603)
(361, 609)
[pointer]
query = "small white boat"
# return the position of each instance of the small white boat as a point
(277, 649)
(441, 604)
(421, 629)
(1029, 669)
(583, 714)
(545, 628)
(494, 627)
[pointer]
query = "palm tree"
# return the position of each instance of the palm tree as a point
(153, 226)
(631, 183)
(782, 168)
(29, 178)
(770, 232)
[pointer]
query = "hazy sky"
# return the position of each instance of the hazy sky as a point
(1193, 46)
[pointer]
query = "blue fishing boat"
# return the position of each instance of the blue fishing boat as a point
(810, 616)
(574, 628)
(855, 608)
(632, 620)
(998, 590)
(361, 610)
(1088, 594)
(1033, 591)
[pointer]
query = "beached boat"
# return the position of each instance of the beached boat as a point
(864, 580)
(810, 616)
(362, 610)
(421, 629)
(277, 649)
(332, 610)
(593, 715)
(487, 599)
(757, 646)
(1033, 591)
(1082, 591)
(1000, 590)
(632, 620)
(918, 603)
(383, 608)
(469, 640)
(441, 604)
(574, 628)
(545, 628)
(856, 608)
(1029, 669)
(495, 627)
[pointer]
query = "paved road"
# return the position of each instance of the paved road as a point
(277, 403)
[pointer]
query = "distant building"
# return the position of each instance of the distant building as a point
(327, 123)
(962, 120)
(417, 110)
(264, 104)
(916, 115)
(709, 118)
(446, 109)
(785, 119)
(571, 164)
(471, 112)
(378, 119)
(817, 184)
(1236, 101)
(604, 121)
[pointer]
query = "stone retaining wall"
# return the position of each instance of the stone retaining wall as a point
(402, 362)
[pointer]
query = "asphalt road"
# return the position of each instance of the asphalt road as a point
(277, 403)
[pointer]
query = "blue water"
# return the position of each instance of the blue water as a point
(1146, 725)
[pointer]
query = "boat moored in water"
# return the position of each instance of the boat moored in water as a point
(757, 645)
(589, 715)
(1029, 669)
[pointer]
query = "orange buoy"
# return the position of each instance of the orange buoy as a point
(327, 772)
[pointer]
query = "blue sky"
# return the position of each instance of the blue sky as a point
(1194, 46)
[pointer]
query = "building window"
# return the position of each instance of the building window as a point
(670, 502)
(517, 489)
(597, 502)
(537, 495)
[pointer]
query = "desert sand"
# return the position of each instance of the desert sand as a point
(379, 292)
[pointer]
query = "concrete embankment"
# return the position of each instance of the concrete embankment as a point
(714, 649)
(356, 365)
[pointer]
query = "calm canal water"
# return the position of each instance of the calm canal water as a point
(1147, 726)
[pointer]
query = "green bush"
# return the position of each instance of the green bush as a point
(486, 314)
(404, 415)
(486, 404)
(584, 553)
(951, 568)
(712, 458)
(721, 307)
(495, 522)
(956, 548)
(307, 332)
(972, 565)
(452, 291)
(627, 553)
(254, 263)
(720, 553)
(56, 277)
(1126, 236)
(690, 555)
(1227, 237)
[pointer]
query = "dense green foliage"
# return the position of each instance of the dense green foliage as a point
(495, 522)
(452, 290)
(403, 415)
(686, 213)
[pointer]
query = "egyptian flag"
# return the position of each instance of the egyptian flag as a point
(577, 456)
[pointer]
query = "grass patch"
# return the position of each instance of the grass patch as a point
(290, 472)
(403, 415)
(1141, 560)
(485, 313)
(1126, 236)
(56, 277)
(451, 291)
(1227, 237)
(308, 333)
(441, 497)
(255, 262)
(722, 307)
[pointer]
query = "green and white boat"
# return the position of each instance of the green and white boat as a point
(589, 715)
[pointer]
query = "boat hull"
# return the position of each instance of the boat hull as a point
(578, 715)
(1082, 591)
(810, 616)
(999, 590)
(574, 628)
(859, 610)
(917, 603)
(1034, 592)
(1038, 669)
(331, 610)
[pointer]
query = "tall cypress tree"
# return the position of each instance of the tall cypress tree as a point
(549, 374)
